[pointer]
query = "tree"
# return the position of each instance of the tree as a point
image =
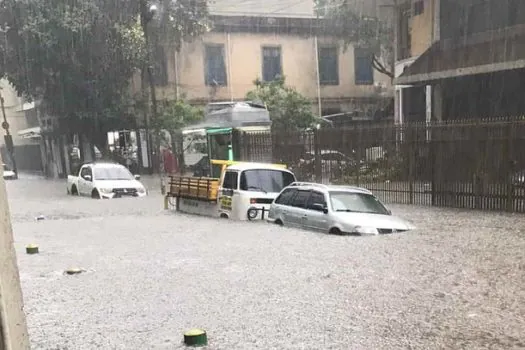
(289, 110)
(344, 21)
(173, 115)
(176, 114)
(78, 56)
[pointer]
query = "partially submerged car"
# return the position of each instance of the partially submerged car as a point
(334, 209)
(8, 173)
(105, 181)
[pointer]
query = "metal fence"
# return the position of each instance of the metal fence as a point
(474, 165)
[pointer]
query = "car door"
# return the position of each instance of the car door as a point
(228, 192)
(297, 212)
(316, 218)
(280, 209)
(85, 181)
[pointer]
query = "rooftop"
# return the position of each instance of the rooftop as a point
(313, 185)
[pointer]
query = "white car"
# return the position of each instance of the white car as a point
(334, 209)
(8, 173)
(105, 181)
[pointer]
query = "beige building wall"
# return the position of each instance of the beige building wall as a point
(273, 8)
(422, 27)
(13, 328)
(243, 59)
(14, 114)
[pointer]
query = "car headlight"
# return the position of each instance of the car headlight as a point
(105, 190)
(141, 190)
(366, 230)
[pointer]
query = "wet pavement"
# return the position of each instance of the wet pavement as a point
(456, 282)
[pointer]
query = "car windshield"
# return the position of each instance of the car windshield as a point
(356, 203)
(112, 173)
(264, 180)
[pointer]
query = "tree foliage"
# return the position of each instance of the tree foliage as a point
(176, 114)
(289, 110)
(78, 56)
(346, 22)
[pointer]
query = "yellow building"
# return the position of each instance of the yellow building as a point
(263, 43)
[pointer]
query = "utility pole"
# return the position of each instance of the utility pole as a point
(146, 16)
(8, 138)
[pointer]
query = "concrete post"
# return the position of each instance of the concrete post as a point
(13, 328)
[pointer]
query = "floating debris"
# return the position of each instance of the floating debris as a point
(32, 249)
(74, 271)
(195, 337)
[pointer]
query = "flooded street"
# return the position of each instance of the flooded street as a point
(456, 282)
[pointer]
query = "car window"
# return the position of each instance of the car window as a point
(357, 202)
(230, 180)
(85, 171)
(316, 198)
(285, 196)
(112, 173)
(265, 180)
(300, 198)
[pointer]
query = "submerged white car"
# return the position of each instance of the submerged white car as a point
(334, 209)
(8, 173)
(105, 181)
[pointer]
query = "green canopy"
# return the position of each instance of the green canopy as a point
(219, 131)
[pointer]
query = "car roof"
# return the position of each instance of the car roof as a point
(329, 188)
(105, 165)
(256, 166)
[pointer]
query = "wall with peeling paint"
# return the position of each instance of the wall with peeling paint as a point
(13, 328)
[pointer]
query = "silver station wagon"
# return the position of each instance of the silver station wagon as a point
(334, 209)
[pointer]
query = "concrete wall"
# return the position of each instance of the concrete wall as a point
(243, 59)
(13, 328)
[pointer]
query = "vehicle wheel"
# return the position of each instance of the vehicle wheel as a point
(74, 191)
(335, 231)
(95, 194)
(279, 222)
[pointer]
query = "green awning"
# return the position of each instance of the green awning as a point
(219, 131)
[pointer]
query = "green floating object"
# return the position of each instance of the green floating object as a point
(32, 249)
(195, 337)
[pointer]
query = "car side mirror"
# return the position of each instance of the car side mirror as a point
(319, 207)
(87, 177)
(227, 192)
(137, 177)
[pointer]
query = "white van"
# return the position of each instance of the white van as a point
(244, 190)
(248, 189)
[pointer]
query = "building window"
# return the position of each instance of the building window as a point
(271, 65)
(364, 71)
(214, 66)
(328, 66)
(419, 7)
(160, 69)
